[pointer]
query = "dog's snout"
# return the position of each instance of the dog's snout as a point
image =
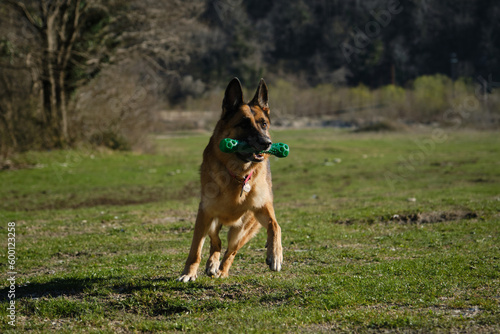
(261, 143)
(266, 144)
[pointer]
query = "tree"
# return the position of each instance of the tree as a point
(57, 26)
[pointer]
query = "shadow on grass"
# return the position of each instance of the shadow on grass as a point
(151, 296)
(95, 286)
(55, 288)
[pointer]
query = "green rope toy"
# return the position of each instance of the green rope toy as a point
(228, 145)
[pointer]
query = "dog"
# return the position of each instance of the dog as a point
(236, 188)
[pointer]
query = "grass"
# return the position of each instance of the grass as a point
(381, 232)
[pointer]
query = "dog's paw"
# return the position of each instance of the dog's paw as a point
(212, 269)
(222, 275)
(274, 264)
(274, 261)
(187, 278)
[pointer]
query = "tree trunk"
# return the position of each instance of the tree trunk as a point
(6, 116)
(53, 82)
(63, 104)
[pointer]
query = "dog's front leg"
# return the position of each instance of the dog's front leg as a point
(266, 218)
(201, 227)
(212, 268)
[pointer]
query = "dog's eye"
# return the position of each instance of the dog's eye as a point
(263, 124)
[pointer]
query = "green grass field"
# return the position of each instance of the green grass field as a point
(381, 232)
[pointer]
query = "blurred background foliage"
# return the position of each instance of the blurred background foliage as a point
(113, 71)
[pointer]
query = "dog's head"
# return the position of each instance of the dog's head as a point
(247, 122)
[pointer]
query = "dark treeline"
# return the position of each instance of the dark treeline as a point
(374, 42)
(74, 70)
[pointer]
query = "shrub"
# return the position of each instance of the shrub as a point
(117, 109)
(394, 98)
(360, 96)
(284, 98)
(430, 96)
(110, 139)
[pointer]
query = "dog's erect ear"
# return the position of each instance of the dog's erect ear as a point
(233, 98)
(260, 99)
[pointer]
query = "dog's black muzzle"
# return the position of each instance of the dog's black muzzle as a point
(259, 143)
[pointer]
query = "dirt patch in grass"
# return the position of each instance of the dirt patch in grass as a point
(42, 201)
(113, 201)
(190, 190)
(133, 196)
(382, 126)
(12, 165)
(416, 218)
(91, 202)
(432, 217)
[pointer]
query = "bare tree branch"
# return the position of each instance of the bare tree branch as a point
(74, 31)
(13, 67)
(21, 8)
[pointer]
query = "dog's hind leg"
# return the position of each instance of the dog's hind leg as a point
(237, 237)
(212, 268)
(201, 228)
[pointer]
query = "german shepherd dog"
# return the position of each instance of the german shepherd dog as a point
(236, 187)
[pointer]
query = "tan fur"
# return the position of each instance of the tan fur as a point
(221, 203)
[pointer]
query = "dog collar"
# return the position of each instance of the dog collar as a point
(246, 187)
